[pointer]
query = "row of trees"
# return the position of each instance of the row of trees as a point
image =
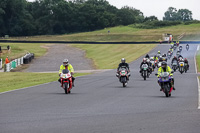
(22, 18)
(172, 14)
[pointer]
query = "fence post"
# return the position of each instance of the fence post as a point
(22, 60)
(18, 62)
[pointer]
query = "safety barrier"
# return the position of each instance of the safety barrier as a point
(1, 63)
(23, 60)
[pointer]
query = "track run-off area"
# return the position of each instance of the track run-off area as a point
(99, 104)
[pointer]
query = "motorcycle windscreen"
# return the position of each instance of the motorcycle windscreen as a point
(65, 71)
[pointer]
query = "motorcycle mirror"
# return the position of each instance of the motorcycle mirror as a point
(156, 74)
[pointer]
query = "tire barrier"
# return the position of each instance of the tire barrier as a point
(28, 58)
(23, 60)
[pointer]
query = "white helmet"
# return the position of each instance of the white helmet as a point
(123, 60)
(65, 62)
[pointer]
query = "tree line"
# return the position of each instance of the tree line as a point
(45, 17)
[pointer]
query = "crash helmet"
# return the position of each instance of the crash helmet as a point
(144, 60)
(158, 52)
(65, 62)
(164, 55)
(164, 64)
(123, 60)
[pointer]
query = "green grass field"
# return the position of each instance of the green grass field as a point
(124, 33)
(108, 56)
(20, 49)
(15, 80)
(198, 60)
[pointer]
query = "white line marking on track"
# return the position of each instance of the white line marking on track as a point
(197, 76)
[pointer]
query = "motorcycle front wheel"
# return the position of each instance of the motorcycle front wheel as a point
(66, 87)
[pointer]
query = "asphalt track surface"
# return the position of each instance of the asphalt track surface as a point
(99, 104)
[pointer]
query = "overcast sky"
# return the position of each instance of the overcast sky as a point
(158, 7)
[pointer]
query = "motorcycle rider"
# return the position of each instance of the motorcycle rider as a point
(177, 42)
(155, 57)
(174, 59)
(147, 56)
(171, 50)
(186, 62)
(172, 44)
(158, 54)
(165, 68)
(123, 64)
(180, 57)
(187, 46)
(164, 57)
(68, 66)
(144, 61)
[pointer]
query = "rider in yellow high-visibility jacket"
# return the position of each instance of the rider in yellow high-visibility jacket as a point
(165, 68)
(68, 66)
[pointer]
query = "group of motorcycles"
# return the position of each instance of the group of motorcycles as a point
(165, 79)
(146, 69)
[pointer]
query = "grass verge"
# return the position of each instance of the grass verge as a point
(123, 33)
(108, 56)
(17, 80)
(19, 50)
(198, 60)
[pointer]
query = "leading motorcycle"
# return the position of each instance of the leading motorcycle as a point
(66, 81)
(165, 83)
(123, 76)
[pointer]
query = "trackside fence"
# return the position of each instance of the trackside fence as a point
(19, 61)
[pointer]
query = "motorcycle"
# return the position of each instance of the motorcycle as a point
(178, 53)
(158, 55)
(159, 64)
(181, 67)
(156, 63)
(174, 65)
(187, 47)
(66, 81)
(186, 67)
(145, 72)
(169, 54)
(165, 83)
(175, 46)
(180, 48)
(123, 76)
(152, 65)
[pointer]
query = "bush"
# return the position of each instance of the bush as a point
(157, 24)
(191, 22)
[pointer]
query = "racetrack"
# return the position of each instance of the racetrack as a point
(99, 104)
